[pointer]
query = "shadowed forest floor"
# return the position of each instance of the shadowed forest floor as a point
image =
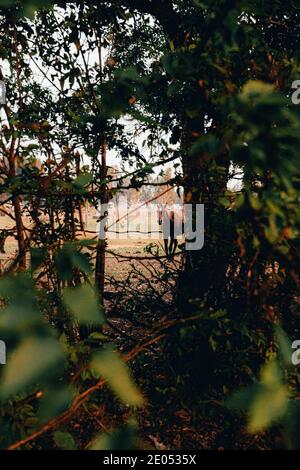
(169, 420)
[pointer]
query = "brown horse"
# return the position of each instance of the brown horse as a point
(172, 226)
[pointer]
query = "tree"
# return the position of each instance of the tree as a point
(204, 82)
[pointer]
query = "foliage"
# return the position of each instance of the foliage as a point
(273, 399)
(207, 85)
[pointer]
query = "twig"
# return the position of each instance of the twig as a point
(81, 399)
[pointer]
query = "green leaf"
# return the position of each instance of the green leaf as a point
(63, 262)
(83, 180)
(82, 262)
(111, 367)
(205, 144)
(98, 336)
(68, 258)
(271, 401)
(19, 288)
(33, 360)
(285, 346)
(266, 402)
(64, 440)
(83, 303)
(18, 319)
(55, 401)
(256, 88)
(122, 439)
(38, 256)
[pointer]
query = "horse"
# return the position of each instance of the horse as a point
(171, 221)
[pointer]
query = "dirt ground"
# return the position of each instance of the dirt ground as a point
(125, 244)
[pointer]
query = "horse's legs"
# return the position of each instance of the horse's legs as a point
(171, 246)
(166, 242)
(175, 246)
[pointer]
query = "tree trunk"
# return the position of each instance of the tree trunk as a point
(100, 254)
(20, 232)
(204, 269)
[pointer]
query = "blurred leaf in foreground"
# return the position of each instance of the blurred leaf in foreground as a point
(266, 402)
(64, 440)
(33, 360)
(111, 367)
(285, 346)
(122, 439)
(271, 401)
(83, 304)
(55, 400)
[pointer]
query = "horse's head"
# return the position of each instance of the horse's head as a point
(159, 215)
